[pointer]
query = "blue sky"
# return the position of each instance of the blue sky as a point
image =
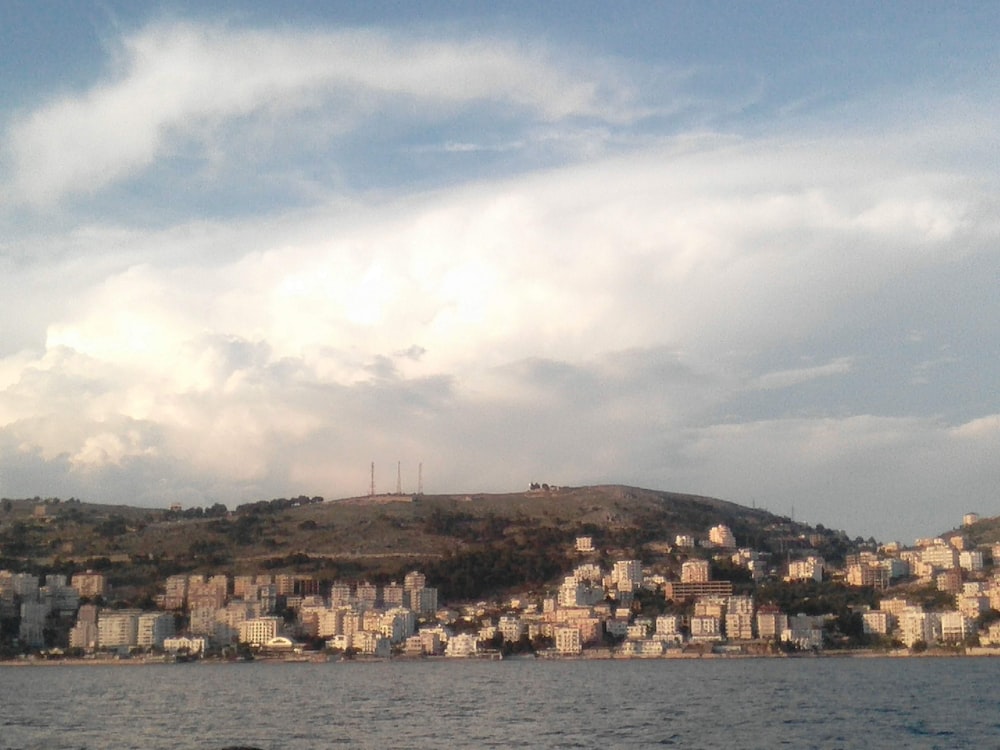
(741, 250)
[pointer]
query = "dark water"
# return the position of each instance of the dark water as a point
(749, 703)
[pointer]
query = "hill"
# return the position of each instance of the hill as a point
(475, 542)
(982, 533)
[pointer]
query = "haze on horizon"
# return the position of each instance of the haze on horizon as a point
(744, 251)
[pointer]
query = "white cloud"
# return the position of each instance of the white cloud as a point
(797, 376)
(596, 321)
(175, 82)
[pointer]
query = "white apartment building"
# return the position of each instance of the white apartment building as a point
(196, 645)
(430, 640)
(809, 568)
(771, 622)
(202, 620)
(695, 571)
(876, 622)
(372, 644)
(740, 604)
(207, 592)
(972, 605)
(366, 595)
(706, 628)
(84, 635)
(398, 624)
(942, 556)
(637, 632)
(152, 628)
(392, 595)
(668, 625)
(23, 585)
(917, 625)
(722, 536)
(32, 627)
(340, 642)
(711, 606)
(627, 575)
(956, 627)
(567, 640)
(330, 622)
(414, 580)
(117, 629)
(424, 601)
(868, 574)
(895, 567)
(463, 644)
(804, 631)
(577, 593)
(970, 559)
(340, 595)
(511, 627)
(175, 593)
(739, 626)
(90, 584)
(895, 606)
(589, 572)
(259, 630)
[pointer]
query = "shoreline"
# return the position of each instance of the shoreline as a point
(971, 653)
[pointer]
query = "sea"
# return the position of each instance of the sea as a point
(685, 703)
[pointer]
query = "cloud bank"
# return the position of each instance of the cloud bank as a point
(714, 312)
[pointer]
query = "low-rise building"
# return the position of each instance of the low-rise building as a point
(185, 644)
(804, 631)
(462, 645)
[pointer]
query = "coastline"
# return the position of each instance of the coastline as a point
(979, 652)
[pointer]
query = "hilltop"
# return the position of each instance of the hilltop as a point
(498, 540)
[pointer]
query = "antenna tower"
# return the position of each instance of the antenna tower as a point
(399, 478)
(420, 479)
(371, 488)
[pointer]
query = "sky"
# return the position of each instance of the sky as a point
(743, 250)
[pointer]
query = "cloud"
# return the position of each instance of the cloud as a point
(173, 85)
(882, 476)
(789, 378)
(626, 313)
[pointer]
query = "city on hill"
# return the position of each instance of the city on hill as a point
(607, 571)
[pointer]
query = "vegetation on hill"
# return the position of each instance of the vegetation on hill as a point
(471, 545)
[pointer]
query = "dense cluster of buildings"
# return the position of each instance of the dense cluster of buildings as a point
(594, 607)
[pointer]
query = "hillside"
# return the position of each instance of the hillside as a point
(530, 534)
(984, 532)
